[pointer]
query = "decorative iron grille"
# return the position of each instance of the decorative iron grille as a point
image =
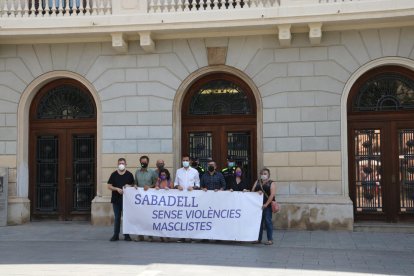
(406, 157)
(238, 146)
(220, 97)
(368, 184)
(201, 146)
(83, 171)
(46, 187)
(385, 92)
(66, 102)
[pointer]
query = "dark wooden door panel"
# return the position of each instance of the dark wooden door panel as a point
(62, 151)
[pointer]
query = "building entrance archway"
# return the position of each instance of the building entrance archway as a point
(380, 111)
(219, 119)
(62, 151)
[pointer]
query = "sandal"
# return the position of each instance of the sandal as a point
(269, 243)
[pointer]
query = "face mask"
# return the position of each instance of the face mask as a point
(160, 166)
(163, 177)
(263, 177)
(210, 168)
(238, 173)
(121, 167)
(231, 164)
(144, 165)
(186, 164)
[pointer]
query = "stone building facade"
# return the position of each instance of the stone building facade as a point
(300, 88)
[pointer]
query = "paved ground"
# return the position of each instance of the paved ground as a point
(62, 248)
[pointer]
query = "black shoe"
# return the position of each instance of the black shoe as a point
(127, 238)
(114, 238)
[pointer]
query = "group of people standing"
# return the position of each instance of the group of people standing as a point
(191, 176)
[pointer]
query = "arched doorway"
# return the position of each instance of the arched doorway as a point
(62, 151)
(380, 111)
(219, 119)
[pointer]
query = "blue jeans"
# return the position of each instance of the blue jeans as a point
(117, 223)
(267, 220)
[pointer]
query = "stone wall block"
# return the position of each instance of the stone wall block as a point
(314, 114)
(275, 130)
(302, 129)
(328, 128)
(314, 143)
(288, 144)
(270, 72)
(276, 159)
(390, 38)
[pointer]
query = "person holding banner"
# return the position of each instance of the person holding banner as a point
(213, 180)
(266, 187)
(117, 181)
(186, 177)
(164, 180)
(239, 183)
(146, 179)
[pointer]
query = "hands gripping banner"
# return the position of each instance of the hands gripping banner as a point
(197, 214)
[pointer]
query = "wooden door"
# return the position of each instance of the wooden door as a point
(218, 142)
(62, 152)
(381, 145)
(63, 173)
(218, 120)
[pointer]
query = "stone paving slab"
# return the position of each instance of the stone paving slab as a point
(68, 248)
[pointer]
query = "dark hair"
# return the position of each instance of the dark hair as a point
(166, 172)
(144, 157)
(185, 155)
(121, 159)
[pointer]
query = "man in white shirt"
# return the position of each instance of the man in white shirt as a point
(186, 177)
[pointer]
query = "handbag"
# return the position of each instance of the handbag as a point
(275, 205)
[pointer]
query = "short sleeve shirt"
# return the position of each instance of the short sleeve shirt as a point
(145, 177)
(119, 181)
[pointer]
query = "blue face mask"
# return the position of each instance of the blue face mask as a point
(231, 164)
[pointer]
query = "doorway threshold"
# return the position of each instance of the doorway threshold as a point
(384, 227)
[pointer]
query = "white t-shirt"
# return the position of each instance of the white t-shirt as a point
(187, 178)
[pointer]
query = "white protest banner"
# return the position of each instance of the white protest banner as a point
(197, 214)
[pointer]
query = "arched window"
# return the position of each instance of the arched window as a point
(220, 97)
(385, 92)
(65, 102)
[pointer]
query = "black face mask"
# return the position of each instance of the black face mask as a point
(144, 165)
(210, 168)
(160, 166)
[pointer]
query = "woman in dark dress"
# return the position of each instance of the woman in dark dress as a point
(239, 182)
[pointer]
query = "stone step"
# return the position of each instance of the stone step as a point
(384, 227)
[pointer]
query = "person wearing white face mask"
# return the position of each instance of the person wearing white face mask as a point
(266, 187)
(186, 178)
(117, 181)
